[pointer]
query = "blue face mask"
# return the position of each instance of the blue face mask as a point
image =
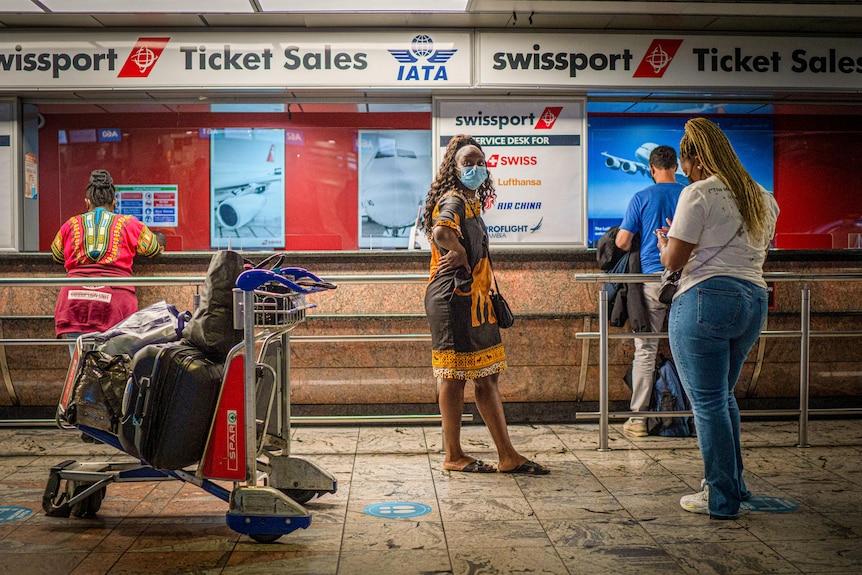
(473, 176)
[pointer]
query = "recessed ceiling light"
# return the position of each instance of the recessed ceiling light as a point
(149, 7)
(363, 6)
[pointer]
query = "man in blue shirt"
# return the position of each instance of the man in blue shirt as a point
(649, 210)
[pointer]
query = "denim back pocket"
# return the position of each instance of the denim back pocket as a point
(718, 309)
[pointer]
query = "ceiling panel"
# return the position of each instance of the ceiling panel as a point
(837, 27)
(156, 6)
(34, 21)
(254, 20)
(18, 6)
(150, 20)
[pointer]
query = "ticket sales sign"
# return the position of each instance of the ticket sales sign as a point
(533, 151)
(402, 59)
(425, 59)
(668, 61)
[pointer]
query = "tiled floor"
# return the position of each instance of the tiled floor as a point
(596, 513)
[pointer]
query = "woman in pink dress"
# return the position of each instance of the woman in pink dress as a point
(98, 243)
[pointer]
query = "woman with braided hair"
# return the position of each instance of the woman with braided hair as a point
(719, 237)
(98, 243)
(465, 336)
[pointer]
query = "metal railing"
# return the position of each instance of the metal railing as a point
(197, 281)
(804, 334)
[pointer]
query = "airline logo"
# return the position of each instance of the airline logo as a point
(657, 58)
(495, 160)
(422, 48)
(548, 117)
(504, 231)
(143, 57)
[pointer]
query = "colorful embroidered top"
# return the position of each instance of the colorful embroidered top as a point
(102, 239)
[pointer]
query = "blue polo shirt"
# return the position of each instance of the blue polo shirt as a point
(646, 213)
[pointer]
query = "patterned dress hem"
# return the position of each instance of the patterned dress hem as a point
(452, 373)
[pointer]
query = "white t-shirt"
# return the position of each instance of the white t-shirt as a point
(707, 216)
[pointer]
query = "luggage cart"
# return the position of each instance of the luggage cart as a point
(249, 438)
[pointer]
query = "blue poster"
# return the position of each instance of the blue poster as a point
(618, 158)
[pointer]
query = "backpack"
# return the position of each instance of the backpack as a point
(668, 395)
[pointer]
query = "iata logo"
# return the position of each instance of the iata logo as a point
(657, 58)
(143, 57)
(548, 117)
(422, 48)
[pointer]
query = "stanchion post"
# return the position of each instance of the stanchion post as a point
(803, 365)
(603, 371)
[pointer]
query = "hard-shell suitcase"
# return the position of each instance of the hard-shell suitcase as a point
(169, 404)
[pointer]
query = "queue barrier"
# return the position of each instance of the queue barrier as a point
(804, 334)
(603, 335)
(197, 282)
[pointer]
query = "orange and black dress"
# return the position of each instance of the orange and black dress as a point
(465, 338)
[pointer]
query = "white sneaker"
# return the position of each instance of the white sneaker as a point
(635, 427)
(698, 502)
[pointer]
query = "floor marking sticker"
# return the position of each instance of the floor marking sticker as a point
(397, 509)
(769, 504)
(9, 513)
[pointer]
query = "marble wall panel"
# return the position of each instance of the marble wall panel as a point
(543, 352)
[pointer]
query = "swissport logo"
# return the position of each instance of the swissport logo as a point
(548, 117)
(143, 57)
(657, 58)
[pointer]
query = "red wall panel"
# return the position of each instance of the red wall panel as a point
(321, 198)
(818, 183)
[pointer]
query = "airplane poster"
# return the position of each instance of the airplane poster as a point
(618, 158)
(395, 172)
(247, 188)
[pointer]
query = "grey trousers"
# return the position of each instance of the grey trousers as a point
(643, 365)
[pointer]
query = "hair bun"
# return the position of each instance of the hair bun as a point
(101, 177)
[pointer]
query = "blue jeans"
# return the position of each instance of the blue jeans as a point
(712, 328)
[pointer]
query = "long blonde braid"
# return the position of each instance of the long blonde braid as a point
(705, 140)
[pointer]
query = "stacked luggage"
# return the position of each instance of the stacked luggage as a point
(150, 384)
(176, 390)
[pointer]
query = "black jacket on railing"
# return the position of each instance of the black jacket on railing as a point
(625, 300)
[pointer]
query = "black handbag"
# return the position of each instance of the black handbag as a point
(505, 317)
(669, 285)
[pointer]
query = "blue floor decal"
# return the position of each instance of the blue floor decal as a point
(397, 509)
(10, 513)
(769, 504)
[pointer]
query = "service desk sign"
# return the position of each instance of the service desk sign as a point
(533, 151)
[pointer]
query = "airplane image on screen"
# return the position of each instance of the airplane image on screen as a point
(238, 192)
(393, 183)
(640, 165)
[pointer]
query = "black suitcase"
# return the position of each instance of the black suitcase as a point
(169, 405)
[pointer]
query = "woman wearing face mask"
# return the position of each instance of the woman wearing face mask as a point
(465, 336)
